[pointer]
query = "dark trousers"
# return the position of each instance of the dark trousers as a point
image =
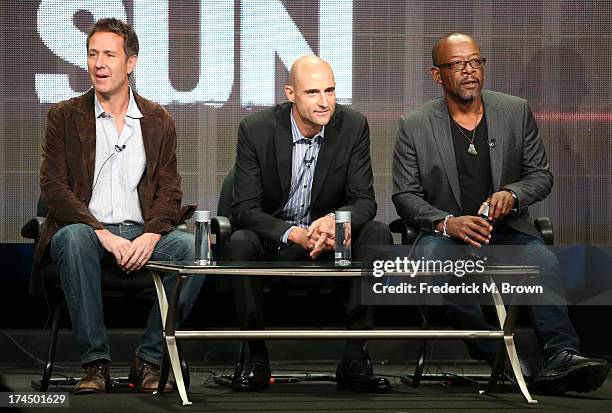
(245, 245)
(553, 328)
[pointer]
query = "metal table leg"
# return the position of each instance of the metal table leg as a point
(423, 348)
(507, 322)
(168, 314)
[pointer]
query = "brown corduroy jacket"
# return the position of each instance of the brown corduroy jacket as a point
(68, 163)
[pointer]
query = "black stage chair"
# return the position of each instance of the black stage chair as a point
(409, 235)
(45, 282)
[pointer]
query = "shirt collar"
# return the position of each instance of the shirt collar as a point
(297, 135)
(132, 110)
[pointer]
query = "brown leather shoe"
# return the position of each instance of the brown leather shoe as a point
(144, 376)
(96, 378)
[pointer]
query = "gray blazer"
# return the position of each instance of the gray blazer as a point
(425, 177)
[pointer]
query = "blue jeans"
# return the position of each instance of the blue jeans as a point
(553, 328)
(77, 253)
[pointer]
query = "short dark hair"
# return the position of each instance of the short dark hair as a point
(112, 25)
(436, 47)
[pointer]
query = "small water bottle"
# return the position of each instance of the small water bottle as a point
(485, 211)
(202, 237)
(342, 248)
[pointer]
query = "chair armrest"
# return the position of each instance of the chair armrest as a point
(544, 226)
(31, 229)
(397, 226)
(408, 233)
(222, 228)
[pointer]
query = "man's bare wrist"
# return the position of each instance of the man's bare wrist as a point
(292, 234)
(439, 226)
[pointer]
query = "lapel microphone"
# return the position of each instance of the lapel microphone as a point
(308, 162)
(117, 150)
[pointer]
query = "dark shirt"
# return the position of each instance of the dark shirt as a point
(474, 171)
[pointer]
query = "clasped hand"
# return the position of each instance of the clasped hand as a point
(319, 237)
(129, 255)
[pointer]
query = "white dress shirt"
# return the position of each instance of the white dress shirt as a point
(120, 163)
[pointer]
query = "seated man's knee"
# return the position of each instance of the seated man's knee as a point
(177, 246)
(437, 247)
(375, 233)
(243, 245)
(372, 241)
(76, 238)
(540, 255)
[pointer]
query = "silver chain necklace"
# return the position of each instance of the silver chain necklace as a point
(471, 149)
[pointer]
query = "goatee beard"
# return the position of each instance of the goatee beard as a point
(468, 96)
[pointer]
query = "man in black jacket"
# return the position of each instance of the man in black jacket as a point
(297, 163)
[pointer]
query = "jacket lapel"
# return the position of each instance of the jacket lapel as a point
(325, 158)
(151, 128)
(495, 120)
(442, 135)
(283, 143)
(84, 119)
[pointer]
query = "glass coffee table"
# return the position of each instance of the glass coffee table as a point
(168, 307)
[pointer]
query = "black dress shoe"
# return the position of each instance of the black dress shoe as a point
(568, 371)
(357, 375)
(255, 376)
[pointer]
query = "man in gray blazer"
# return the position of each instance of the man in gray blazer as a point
(472, 149)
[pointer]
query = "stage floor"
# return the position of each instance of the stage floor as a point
(431, 396)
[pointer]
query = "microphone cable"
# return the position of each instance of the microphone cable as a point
(117, 150)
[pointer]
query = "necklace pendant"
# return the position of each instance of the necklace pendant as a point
(472, 150)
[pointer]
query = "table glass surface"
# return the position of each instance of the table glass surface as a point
(318, 266)
(311, 265)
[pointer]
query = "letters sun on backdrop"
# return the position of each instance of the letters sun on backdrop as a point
(211, 63)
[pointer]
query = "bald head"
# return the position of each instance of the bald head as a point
(307, 64)
(312, 90)
(441, 45)
(458, 67)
